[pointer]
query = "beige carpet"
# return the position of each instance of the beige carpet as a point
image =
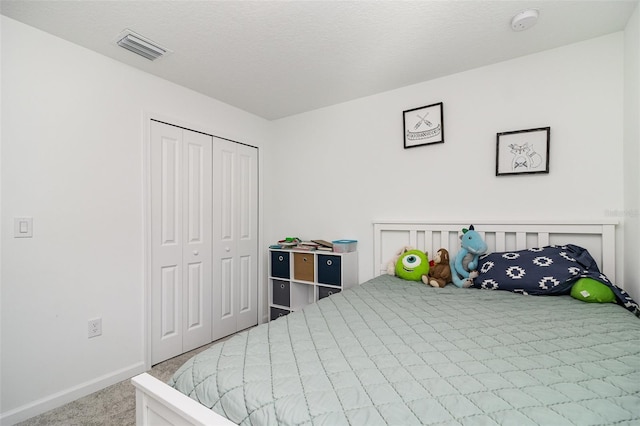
(115, 405)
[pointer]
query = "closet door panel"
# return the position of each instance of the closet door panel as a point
(169, 191)
(224, 238)
(195, 284)
(181, 240)
(197, 252)
(244, 283)
(170, 302)
(166, 241)
(226, 290)
(225, 190)
(247, 232)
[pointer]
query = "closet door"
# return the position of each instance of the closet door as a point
(235, 239)
(181, 240)
(197, 247)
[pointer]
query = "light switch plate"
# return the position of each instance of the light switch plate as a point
(23, 227)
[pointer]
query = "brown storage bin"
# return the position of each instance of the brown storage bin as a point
(303, 268)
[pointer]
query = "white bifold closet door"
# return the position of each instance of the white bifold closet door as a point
(235, 237)
(181, 186)
(204, 243)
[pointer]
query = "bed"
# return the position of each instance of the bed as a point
(399, 352)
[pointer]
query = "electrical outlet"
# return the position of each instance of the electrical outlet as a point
(95, 327)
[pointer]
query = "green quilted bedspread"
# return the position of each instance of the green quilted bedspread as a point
(401, 353)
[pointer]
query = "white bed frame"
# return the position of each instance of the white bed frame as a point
(597, 237)
(158, 404)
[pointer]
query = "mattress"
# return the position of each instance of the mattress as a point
(398, 352)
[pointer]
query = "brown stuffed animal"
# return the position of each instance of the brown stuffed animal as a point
(440, 272)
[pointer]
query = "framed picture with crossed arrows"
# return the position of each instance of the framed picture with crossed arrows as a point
(423, 126)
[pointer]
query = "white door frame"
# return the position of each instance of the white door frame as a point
(146, 182)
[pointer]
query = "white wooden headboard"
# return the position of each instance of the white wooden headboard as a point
(597, 237)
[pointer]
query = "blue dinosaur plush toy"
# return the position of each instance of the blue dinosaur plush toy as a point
(464, 265)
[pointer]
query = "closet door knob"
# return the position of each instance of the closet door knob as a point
(196, 252)
(227, 249)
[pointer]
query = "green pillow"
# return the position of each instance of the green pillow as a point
(590, 290)
(412, 265)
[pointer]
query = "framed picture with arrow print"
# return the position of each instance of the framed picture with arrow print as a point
(423, 126)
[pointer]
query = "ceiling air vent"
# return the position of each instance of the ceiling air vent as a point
(141, 45)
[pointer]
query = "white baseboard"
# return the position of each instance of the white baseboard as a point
(71, 394)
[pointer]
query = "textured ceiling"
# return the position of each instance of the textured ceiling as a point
(280, 58)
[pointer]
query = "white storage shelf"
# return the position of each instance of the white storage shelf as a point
(298, 278)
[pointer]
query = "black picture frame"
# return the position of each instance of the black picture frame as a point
(423, 125)
(523, 151)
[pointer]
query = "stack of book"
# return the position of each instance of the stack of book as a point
(307, 245)
(324, 245)
(287, 243)
(297, 244)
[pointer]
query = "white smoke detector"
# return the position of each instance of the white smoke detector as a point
(524, 20)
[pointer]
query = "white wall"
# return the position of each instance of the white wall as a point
(337, 169)
(631, 212)
(72, 155)
(72, 158)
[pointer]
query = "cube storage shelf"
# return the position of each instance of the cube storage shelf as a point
(298, 278)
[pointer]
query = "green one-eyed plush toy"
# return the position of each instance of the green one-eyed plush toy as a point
(412, 265)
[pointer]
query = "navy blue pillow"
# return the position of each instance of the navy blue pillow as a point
(550, 270)
(546, 270)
